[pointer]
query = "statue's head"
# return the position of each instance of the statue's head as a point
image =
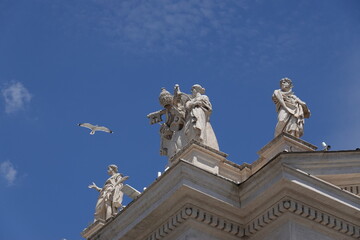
(198, 88)
(165, 98)
(113, 168)
(286, 83)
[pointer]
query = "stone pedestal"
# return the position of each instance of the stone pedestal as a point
(282, 143)
(201, 156)
(210, 160)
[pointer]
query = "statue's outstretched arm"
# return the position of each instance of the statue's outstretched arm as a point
(155, 117)
(93, 185)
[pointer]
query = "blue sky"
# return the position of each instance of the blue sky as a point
(64, 62)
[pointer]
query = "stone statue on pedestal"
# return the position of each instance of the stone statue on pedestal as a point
(111, 195)
(198, 110)
(291, 110)
(187, 118)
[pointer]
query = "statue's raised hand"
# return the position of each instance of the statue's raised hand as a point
(93, 185)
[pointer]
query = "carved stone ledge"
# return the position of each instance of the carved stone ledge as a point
(302, 210)
(239, 229)
(355, 189)
(192, 212)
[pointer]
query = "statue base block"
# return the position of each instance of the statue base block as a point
(210, 160)
(282, 143)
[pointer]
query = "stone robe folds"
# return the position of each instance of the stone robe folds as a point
(110, 198)
(291, 113)
(198, 125)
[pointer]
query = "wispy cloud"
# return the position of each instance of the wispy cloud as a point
(164, 25)
(8, 172)
(16, 96)
(233, 28)
(233, 32)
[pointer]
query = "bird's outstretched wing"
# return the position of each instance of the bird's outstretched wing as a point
(87, 125)
(104, 129)
(95, 128)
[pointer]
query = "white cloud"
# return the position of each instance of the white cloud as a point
(8, 172)
(16, 96)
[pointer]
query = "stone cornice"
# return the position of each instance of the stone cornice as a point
(354, 189)
(302, 210)
(286, 205)
(195, 213)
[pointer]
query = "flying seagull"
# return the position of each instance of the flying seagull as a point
(95, 128)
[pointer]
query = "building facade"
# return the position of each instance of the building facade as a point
(291, 192)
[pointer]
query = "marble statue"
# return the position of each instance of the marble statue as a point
(198, 110)
(291, 110)
(171, 128)
(111, 195)
(187, 118)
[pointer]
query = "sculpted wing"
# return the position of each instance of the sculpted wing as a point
(130, 191)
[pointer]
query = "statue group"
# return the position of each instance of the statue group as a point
(187, 117)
